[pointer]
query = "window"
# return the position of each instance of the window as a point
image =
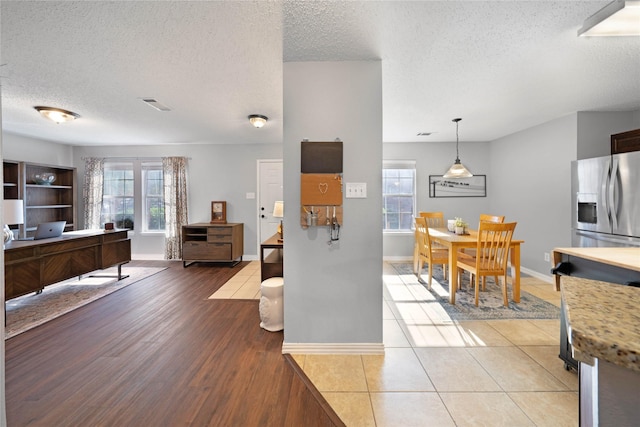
(398, 195)
(134, 194)
(118, 196)
(153, 197)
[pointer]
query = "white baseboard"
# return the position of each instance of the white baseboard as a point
(543, 277)
(160, 257)
(147, 257)
(397, 259)
(332, 348)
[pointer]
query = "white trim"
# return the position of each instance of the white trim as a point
(332, 348)
(258, 163)
(147, 257)
(543, 277)
(397, 259)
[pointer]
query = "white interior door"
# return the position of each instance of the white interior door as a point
(269, 190)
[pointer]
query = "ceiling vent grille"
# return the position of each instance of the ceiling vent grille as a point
(155, 104)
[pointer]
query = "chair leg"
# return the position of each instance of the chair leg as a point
(416, 259)
(430, 275)
(505, 297)
(419, 269)
(477, 289)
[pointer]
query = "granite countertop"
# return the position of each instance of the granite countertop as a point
(603, 321)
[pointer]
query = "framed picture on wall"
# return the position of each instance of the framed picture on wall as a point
(218, 212)
(476, 186)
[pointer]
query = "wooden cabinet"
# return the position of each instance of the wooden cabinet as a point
(625, 142)
(202, 242)
(42, 202)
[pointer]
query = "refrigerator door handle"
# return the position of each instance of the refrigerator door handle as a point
(604, 194)
(613, 214)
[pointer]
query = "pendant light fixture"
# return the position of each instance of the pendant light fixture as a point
(457, 170)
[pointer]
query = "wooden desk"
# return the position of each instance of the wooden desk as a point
(271, 265)
(30, 265)
(455, 242)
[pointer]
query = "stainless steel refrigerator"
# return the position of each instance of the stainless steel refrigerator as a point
(606, 201)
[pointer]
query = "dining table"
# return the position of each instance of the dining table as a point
(456, 242)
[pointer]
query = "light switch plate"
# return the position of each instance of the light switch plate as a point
(251, 196)
(356, 190)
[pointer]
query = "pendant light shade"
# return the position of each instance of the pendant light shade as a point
(457, 170)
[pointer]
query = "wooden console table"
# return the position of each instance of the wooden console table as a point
(271, 265)
(30, 265)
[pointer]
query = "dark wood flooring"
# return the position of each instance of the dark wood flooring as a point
(159, 353)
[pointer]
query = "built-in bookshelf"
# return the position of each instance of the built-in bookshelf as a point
(43, 202)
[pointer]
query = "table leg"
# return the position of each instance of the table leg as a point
(453, 274)
(515, 264)
(557, 257)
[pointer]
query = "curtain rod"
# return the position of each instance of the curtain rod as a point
(147, 159)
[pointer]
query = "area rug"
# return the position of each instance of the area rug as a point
(490, 305)
(28, 311)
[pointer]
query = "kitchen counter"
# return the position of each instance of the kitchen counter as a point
(628, 258)
(615, 265)
(603, 321)
(600, 327)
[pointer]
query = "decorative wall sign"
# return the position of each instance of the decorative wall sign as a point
(476, 186)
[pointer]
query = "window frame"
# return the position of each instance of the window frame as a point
(397, 165)
(144, 196)
(140, 202)
(118, 165)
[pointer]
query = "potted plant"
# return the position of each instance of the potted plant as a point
(461, 226)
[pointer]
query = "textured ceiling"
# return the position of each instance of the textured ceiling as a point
(502, 66)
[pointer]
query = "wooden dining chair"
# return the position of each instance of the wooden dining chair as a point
(492, 218)
(492, 253)
(434, 220)
(427, 253)
(483, 217)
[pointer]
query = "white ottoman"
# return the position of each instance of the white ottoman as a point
(271, 309)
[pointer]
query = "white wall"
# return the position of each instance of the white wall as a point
(531, 181)
(25, 149)
(333, 294)
(434, 158)
(595, 130)
(215, 172)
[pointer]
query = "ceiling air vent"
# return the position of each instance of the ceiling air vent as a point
(424, 133)
(155, 104)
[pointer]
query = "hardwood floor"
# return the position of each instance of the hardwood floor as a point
(159, 353)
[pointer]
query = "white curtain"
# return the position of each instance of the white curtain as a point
(92, 191)
(174, 170)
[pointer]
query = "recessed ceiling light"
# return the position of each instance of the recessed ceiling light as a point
(57, 115)
(151, 102)
(618, 18)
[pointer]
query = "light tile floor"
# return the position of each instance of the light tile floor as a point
(439, 372)
(244, 285)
